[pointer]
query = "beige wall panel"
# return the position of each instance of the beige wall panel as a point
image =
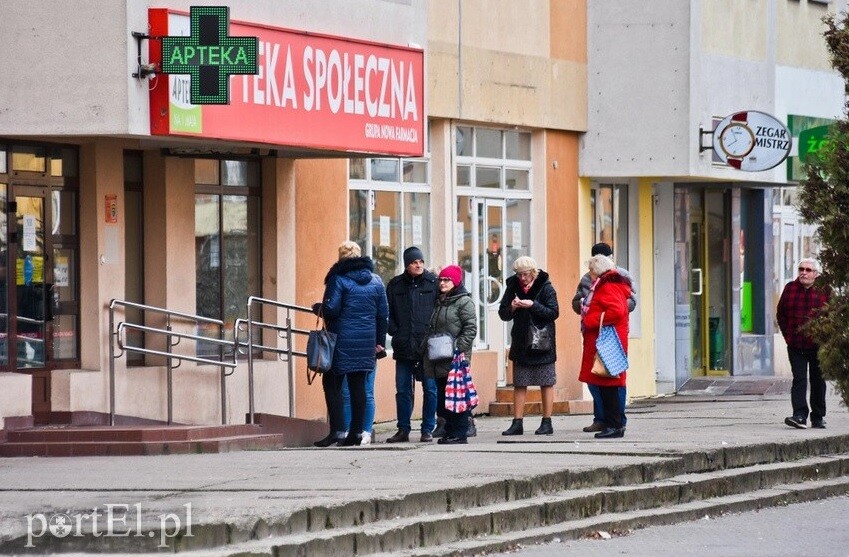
(508, 89)
(563, 253)
(478, 27)
(15, 396)
(101, 262)
(442, 91)
(532, 74)
(642, 380)
(800, 36)
(734, 28)
(568, 34)
(321, 206)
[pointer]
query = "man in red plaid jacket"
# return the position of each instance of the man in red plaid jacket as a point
(799, 303)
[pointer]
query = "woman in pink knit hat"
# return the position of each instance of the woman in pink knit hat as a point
(453, 314)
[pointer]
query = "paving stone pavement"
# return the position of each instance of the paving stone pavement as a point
(242, 487)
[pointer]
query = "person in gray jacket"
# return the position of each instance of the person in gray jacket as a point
(454, 313)
(581, 298)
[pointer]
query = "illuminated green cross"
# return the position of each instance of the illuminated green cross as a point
(209, 55)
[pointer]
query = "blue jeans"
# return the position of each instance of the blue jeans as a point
(598, 407)
(405, 397)
(368, 418)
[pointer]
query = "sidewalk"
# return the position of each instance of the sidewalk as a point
(243, 488)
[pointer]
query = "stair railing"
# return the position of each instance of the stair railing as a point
(285, 330)
(172, 339)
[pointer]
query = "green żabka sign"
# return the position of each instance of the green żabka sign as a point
(209, 55)
(810, 135)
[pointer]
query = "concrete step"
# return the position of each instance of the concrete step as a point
(505, 409)
(475, 527)
(632, 520)
(475, 519)
(269, 432)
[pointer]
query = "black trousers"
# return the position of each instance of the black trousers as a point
(332, 384)
(803, 363)
(613, 410)
(456, 425)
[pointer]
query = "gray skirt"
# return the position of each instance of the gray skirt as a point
(527, 376)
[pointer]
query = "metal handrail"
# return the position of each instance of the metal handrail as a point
(115, 338)
(142, 350)
(285, 331)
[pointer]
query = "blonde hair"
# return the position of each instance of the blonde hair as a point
(600, 264)
(348, 249)
(526, 263)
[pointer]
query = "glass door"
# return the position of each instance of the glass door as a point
(33, 279)
(717, 259)
(481, 254)
(702, 285)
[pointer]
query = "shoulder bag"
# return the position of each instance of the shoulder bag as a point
(439, 346)
(321, 344)
(539, 338)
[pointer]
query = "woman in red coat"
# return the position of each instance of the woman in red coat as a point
(609, 295)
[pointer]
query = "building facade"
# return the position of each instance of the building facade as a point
(707, 241)
(121, 194)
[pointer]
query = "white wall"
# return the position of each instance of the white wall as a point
(638, 81)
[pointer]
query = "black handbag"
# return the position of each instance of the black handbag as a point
(539, 338)
(321, 344)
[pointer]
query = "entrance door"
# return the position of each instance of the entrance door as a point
(481, 254)
(30, 328)
(702, 285)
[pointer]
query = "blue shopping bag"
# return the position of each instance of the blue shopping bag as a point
(609, 349)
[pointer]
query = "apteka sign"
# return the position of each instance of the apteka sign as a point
(310, 90)
(209, 55)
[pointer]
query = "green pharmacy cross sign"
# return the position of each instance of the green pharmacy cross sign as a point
(209, 55)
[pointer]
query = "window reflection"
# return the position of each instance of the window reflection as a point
(227, 244)
(28, 158)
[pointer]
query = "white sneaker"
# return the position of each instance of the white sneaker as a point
(366, 438)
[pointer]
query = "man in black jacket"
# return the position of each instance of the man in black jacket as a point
(411, 297)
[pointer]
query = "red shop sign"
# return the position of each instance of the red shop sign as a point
(312, 91)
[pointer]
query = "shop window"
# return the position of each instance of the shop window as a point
(389, 210)
(610, 219)
(227, 243)
(27, 158)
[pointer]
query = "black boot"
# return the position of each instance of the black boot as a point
(439, 430)
(351, 440)
(331, 439)
(515, 428)
(545, 427)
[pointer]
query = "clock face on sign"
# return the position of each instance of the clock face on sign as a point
(737, 140)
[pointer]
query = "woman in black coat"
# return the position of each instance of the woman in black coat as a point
(531, 299)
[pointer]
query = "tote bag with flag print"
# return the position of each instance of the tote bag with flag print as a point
(460, 391)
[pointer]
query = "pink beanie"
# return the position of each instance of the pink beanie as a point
(454, 273)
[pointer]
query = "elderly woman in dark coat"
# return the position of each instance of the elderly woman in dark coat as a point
(529, 299)
(354, 307)
(454, 313)
(609, 296)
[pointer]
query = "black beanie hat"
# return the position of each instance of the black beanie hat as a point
(601, 249)
(412, 254)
